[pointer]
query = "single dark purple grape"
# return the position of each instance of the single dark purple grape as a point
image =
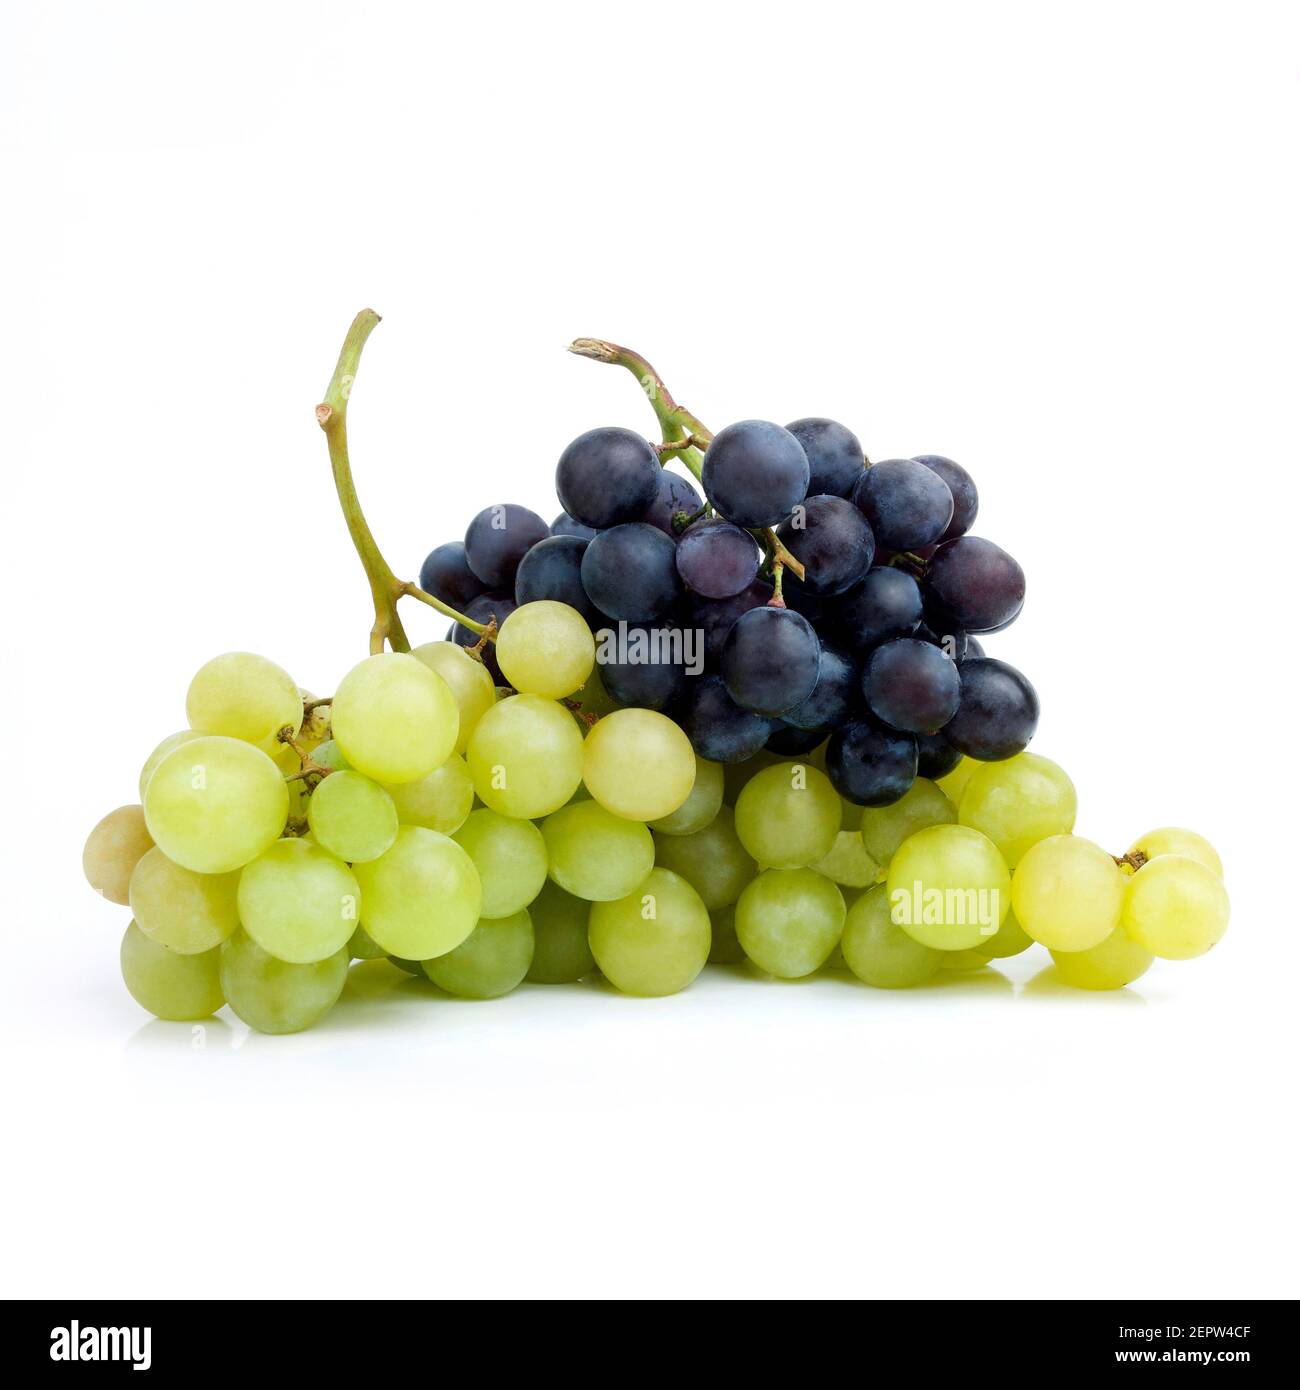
(965, 496)
(813, 606)
(755, 473)
(954, 645)
(498, 538)
(974, 648)
(790, 742)
(552, 569)
(835, 457)
(717, 559)
(870, 765)
(446, 575)
(630, 572)
(647, 666)
(607, 476)
(770, 660)
(498, 606)
(719, 730)
(998, 713)
(907, 504)
(836, 696)
(565, 525)
(935, 756)
(886, 604)
(716, 617)
(911, 685)
(975, 585)
(674, 494)
(833, 541)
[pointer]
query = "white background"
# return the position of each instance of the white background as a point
(1056, 242)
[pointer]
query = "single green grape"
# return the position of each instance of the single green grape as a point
(168, 984)
(699, 809)
(561, 951)
(546, 648)
(1172, 839)
(298, 902)
(736, 776)
(179, 909)
(330, 755)
(510, 856)
(469, 680)
(353, 817)
(879, 952)
(848, 862)
(789, 920)
(638, 764)
(1067, 893)
(1175, 907)
(113, 849)
(1019, 802)
(788, 816)
(725, 948)
(593, 701)
(850, 815)
(656, 940)
(525, 757)
(441, 801)
(1011, 939)
(410, 967)
(395, 719)
(277, 996)
(240, 695)
(948, 887)
(159, 753)
(953, 784)
(884, 828)
(1111, 964)
(713, 860)
(362, 946)
(595, 854)
(420, 898)
(490, 962)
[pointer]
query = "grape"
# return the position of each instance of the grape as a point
(998, 713)
(965, 497)
(911, 686)
(298, 902)
(159, 753)
(167, 983)
(362, 946)
(630, 572)
(717, 726)
(714, 618)
(352, 817)
(644, 666)
(118, 843)
(446, 575)
(654, 941)
(699, 809)
(789, 920)
(1067, 893)
(755, 473)
(411, 967)
(1010, 940)
(561, 953)
(1172, 840)
(441, 801)
(497, 539)
(330, 755)
(421, 897)
(1175, 907)
(976, 585)
(832, 540)
(935, 756)
(908, 505)
(953, 784)
(880, 953)
(525, 757)
(552, 569)
(638, 764)
(490, 962)
(185, 911)
(1111, 964)
(884, 828)
(847, 862)
(565, 525)
(510, 856)
(673, 495)
(273, 995)
(546, 648)
(870, 765)
(607, 476)
(770, 660)
(789, 742)
(725, 947)
(484, 609)
(713, 860)
(468, 679)
(244, 696)
(835, 457)
(788, 816)
(886, 604)
(394, 719)
(593, 701)
(962, 960)
(595, 854)
(1019, 802)
(717, 559)
(215, 803)
(948, 887)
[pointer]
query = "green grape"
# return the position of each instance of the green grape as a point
(736, 776)
(879, 952)
(353, 817)
(411, 967)
(1175, 907)
(654, 941)
(1170, 839)
(848, 862)
(850, 815)
(725, 948)
(788, 921)
(638, 764)
(330, 755)
(469, 680)
(510, 856)
(595, 854)
(240, 695)
(948, 887)
(1067, 893)
(561, 951)
(362, 946)
(884, 828)
(1018, 802)
(170, 985)
(713, 860)
(113, 849)
(215, 803)
(525, 757)
(546, 648)
(1111, 964)
(953, 784)
(962, 960)
(394, 718)
(441, 801)
(700, 807)
(180, 909)
(277, 996)
(593, 701)
(298, 902)
(788, 816)
(159, 753)
(1010, 940)
(420, 898)
(490, 962)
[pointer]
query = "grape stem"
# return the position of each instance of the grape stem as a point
(309, 705)
(310, 767)
(1134, 859)
(778, 598)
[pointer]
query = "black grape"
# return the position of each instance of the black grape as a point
(755, 473)
(716, 617)
(870, 765)
(998, 713)
(719, 730)
(790, 742)
(935, 756)
(911, 685)
(565, 525)
(975, 584)
(652, 683)
(908, 505)
(835, 457)
(974, 648)
(498, 606)
(498, 538)
(835, 696)
(447, 576)
(630, 572)
(552, 569)
(770, 660)
(674, 494)
(717, 559)
(886, 604)
(833, 541)
(606, 476)
(965, 496)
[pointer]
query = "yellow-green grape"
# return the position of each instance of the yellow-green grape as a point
(159, 753)
(298, 902)
(441, 801)
(638, 764)
(510, 856)
(850, 815)
(330, 755)
(713, 860)
(277, 996)
(315, 723)
(546, 648)
(180, 909)
(411, 967)
(699, 809)
(167, 983)
(788, 816)
(1111, 964)
(725, 948)
(561, 951)
(1067, 893)
(736, 776)
(420, 898)
(1175, 907)
(362, 946)
(878, 951)
(394, 719)
(469, 680)
(113, 849)
(1018, 802)
(654, 941)
(595, 854)
(962, 960)
(948, 887)
(953, 784)
(884, 828)
(1171, 839)
(490, 962)
(593, 701)
(788, 921)
(1010, 940)
(353, 817)
(244, 696)
(848, 862)
(215, 803)
(525, 757)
